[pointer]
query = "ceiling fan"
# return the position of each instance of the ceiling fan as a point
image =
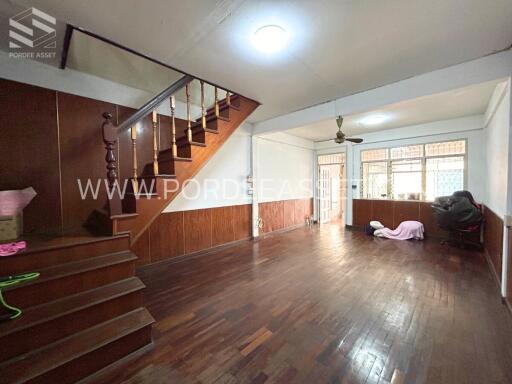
(340, 136)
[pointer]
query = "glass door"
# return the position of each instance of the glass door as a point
(331, 187)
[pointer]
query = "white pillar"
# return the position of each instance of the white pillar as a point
(254, 174)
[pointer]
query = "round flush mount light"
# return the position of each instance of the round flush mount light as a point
(374, 119)
(270, 38)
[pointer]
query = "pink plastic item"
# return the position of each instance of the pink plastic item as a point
(12, 248)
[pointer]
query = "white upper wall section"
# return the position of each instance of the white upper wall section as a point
(284, 168)
(223, 179)
(487, 68)
(497, 143)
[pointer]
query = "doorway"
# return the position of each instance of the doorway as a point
(331, 187)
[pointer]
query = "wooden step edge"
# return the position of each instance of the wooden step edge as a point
(167, 152)
(79, 266)
(198, 129)
(43, 360)
(159, 176)
(70, 242)
(122, 216)
(210, 118)
(52, 310)
(185, 143)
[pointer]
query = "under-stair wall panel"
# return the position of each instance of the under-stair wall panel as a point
(178, 233)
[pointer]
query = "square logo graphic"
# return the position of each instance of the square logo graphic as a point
(32, 28)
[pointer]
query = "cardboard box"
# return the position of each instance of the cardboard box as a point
(11, 227)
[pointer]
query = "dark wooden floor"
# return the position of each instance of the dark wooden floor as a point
(325, 306)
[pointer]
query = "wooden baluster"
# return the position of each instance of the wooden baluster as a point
(203, 112)
(189, 121)
(228, 98)
(135, 182)
(110, 139)
(155, 144)
(174, 147)
(217, 111)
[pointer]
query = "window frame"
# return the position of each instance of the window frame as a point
(389, 161)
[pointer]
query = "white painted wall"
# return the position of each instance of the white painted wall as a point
(497, 138)
(284, 167)
(469, 128)
(223, 180)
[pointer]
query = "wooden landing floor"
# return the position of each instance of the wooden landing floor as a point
(325, 305)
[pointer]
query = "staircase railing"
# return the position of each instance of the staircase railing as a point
(111, 135)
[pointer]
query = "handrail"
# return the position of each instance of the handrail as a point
(153, 103)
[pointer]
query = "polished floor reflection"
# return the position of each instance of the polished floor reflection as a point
(325, 305)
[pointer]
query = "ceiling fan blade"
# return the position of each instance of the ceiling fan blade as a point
(354, 140)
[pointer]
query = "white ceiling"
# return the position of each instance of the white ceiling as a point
(336, 47)
(460, 102)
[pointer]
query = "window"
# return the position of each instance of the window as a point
(413, 172)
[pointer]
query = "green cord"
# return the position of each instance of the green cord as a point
(14, 280)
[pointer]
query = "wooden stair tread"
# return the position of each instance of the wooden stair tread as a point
(38, 362)
(75, 267)
(167, 152)
(185, 143)
(122, 216)
(61, 307)
(41, 243)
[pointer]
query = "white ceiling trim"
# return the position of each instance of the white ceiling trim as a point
(484, 69)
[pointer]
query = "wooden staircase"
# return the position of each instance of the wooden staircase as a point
(82, 314)
(138, 213)
(86, 311)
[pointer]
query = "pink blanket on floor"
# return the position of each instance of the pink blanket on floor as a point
(406, 230)
(12, 248)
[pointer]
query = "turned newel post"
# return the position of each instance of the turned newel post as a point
(110, 140)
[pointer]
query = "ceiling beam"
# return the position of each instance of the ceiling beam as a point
(495, 66)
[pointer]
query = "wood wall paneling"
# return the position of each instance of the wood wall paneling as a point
(429, 221)
(82, 154)
(391, 213)
(142, 248)
(509, 276)
(362, 212)
(272, 214)
(242, 221)
(222, 225)
(382, 210)
(493, 239)
(198, 234)
(30, 153)
(289, 219)
(167, 236)
(404, 211)
(301, 207)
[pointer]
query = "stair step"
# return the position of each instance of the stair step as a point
(70, 278)
(44, 251)
(185, 143)
(81, 354)
(51, 321)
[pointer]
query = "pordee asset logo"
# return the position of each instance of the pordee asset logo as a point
(32, 35)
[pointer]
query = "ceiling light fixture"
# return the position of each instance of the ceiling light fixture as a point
(270, 38)
(374, 119)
